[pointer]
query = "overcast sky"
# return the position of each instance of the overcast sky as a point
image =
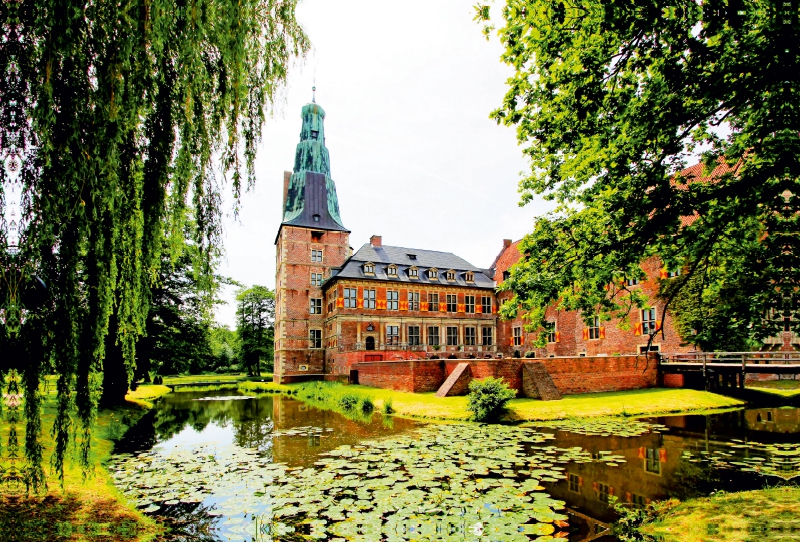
(407, 88)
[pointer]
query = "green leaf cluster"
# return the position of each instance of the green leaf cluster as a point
(255, 325)
(611, 101)
(117, 121)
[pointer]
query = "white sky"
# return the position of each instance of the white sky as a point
(407, 88)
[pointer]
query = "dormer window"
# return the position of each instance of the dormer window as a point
(316, 218)
(450, 276)
(433, 274)
(391, 271)
(314, 134)
(412, 256)
(413, 272)
(369, 268)
(469, 276)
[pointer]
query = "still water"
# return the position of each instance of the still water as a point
(210, 464)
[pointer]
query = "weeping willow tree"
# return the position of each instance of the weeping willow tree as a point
(116, 119)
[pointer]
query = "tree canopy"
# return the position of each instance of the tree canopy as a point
(611, 101)
(255, 325)
(112, 117)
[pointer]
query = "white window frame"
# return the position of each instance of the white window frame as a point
(413, 301)
(469, 304)
(487, 339)
(392, 300)
(450, 275)
(433, 306)
(454, 304)
(315, 343)
(516, 335)
(470, 336)
(433, 274)
(369, 298)
(315, 305)
(317, 255)
(350, 298)
(369, 268)
(391, 271)
(392, 335)
(413, 272)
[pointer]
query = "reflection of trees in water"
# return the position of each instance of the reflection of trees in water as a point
(189, 523)
(177, 412)
(254, 426)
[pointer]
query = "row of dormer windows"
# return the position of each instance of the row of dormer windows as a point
(413, 273)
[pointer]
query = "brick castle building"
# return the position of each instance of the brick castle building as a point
(336, 307)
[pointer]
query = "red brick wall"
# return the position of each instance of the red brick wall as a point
(673, 380)
(293, 291)
(570, 375)
(411, 376)
(570, 325)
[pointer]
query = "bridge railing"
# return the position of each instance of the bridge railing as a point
(745, 358)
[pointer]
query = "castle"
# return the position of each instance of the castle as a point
(336, 308)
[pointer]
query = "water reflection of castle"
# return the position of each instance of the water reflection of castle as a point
(655, 468)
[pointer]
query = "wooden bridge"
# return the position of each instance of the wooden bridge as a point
(728, 369)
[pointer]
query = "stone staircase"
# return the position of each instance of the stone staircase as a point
(457, 383)
(536, 382)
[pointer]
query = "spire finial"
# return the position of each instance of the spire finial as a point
(314, 93)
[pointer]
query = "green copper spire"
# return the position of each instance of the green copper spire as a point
(311, 156)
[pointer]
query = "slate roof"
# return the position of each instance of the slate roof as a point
(424, 260)
(317, 198)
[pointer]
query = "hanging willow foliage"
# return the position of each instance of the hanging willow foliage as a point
(110, 115)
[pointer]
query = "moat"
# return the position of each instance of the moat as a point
(221, 466)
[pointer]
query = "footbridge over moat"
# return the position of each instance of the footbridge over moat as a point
(729, 369)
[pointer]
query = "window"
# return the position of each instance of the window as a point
(412, 256)
(392, 335)
(350, 298)
(550, 330)
(433, 336)
(652, 461)
(391, 271)
(316, 236)
(632, 282)
(433, 274)
(469, 276)
(452, 302)
(413, 301)
(648, 321)
(391, 300)
(413, 336)
(486, 336)
(594, 327)
(433, 302)
(675, 273)
(643, 349)
(486, 304)
(603, 492)
(315, 338)
(574, 483)
(517, 336)
(452, 336)
(450, 276)
(506, 275)
(639, 501)
(316, 218)
(469, 303)
(314, 134)
(316, 255)
(413, 272)
(316, 279)
(469, 336)
(369, 269)
(369, 299)
(316, 306)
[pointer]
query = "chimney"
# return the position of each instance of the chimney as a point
(375, 240)
(286, 176)
(506, 242)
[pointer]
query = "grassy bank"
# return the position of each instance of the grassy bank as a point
(785, 388)
(767, 514)
(229, 377)
(427, 406)
(90, 509)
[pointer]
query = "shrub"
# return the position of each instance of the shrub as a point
(387, 406)
(487, 398)
(347, 401)
(367, 406)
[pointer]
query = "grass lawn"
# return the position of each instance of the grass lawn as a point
(786, 388)
(767, 514)
(93, 505)
(623, 403)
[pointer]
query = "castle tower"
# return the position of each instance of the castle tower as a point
(311, 240)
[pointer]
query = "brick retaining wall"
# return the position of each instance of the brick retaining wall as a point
(571, 375)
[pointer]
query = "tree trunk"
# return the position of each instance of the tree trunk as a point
(115, 374)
